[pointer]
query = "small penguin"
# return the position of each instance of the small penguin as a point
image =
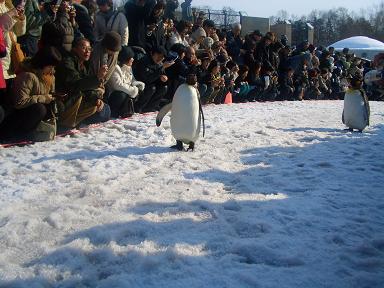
(356, 106)
(186, 114)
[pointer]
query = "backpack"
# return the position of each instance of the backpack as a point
(46, 129)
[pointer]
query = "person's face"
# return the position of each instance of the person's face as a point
(205, 63)
(83, 50)
(209, 30)
(129, 62)
(48, 70)
(190, 54)
(157, 57)
(104, 8)
(216, 70)
(158, 12)
(268, 42)
(236, 31)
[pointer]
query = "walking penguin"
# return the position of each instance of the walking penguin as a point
(186, 114)
(356, 106)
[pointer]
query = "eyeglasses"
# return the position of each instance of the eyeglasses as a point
(86, 48)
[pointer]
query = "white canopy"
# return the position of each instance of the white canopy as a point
(360, 45)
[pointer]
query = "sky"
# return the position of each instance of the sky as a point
(261, 9)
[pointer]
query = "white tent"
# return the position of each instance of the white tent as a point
(360, 45)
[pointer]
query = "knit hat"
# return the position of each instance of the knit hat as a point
(199, 32)
(208, 42)
(112, 41)
(125, 54)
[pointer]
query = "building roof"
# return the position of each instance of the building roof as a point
(359, 42)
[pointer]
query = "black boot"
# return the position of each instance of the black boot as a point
(179, 145)
(191, 146)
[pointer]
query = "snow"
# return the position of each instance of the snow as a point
(276, 195)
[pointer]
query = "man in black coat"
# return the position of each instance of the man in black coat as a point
(138, 13)
(150, 70)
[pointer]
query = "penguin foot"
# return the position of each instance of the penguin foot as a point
(179, 146)
(191, 147)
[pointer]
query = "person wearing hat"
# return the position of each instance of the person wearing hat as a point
(356, 110)
(123, 86)
(150, 70)
(32, 92)
(82, 95)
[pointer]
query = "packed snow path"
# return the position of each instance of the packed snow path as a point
(276, 195)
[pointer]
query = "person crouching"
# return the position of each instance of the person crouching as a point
(32, 94)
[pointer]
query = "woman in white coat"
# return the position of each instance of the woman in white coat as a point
(123, 86)
(356, 106)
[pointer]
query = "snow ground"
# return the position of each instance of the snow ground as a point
(275, 195)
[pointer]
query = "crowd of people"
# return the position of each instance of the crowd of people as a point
(87, 62)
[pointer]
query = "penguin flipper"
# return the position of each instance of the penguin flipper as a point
(163, 111)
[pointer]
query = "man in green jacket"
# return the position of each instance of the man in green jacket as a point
(81, 92)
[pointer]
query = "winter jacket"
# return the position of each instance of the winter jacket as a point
(35, 18)
(136, 17)
(148, 71)
(28, 88)
(97, 59)
(122, 79)
(84, 21)
(116, 21)
(75, 79)
(59, 33)
(9, 24)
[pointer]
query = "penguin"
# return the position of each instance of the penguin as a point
(356, 111)
(186, 114)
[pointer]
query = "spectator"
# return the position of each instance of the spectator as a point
(13, 24)
(150, 70)
(209, 28)
(170, 9)
(3, 52)
(235, 44)
(179, 34)
(59, 33)
(262, 52)
(124, 87)
(85, 21)
(137, 13)
(186, 10)
(177, 73)
(197, 37)
(32, 92)
(286, 85)
(35, 19)
(84, 90)
(107, 20)
(155, 33)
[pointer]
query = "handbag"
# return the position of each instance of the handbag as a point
(17, 55)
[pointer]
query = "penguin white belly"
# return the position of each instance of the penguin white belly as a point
(185, 115)
(355, 112)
